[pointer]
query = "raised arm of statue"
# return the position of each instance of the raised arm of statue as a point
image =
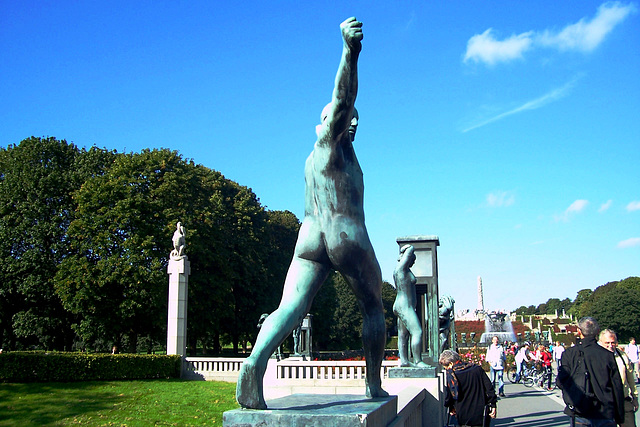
(337, 116)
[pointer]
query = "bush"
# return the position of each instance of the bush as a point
(44, 367)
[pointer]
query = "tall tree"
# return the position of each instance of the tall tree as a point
(37, 179)
(115, 280)
(616, 305)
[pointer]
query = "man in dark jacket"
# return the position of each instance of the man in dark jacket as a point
(468, 390)
(596, 398)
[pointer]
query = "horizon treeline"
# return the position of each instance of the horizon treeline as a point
(615, 305)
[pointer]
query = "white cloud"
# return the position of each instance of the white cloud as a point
(629, 243)
(575, 207)
(500, 199)
(584, 35)
(633, 206)
(534, 104)
(485, 48)
(605, 206)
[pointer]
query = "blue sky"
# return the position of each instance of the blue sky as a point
(509, 129)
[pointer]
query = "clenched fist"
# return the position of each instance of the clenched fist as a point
(352, 33)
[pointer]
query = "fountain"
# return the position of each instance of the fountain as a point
(497, 325)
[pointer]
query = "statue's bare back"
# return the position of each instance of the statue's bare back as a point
(333, 227)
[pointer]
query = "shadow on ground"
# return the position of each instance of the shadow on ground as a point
(538, 419)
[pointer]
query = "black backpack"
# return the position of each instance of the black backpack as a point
(577, 390)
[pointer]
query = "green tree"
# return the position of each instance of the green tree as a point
(115, 279)
(615, 305)
(37, 179)
(582, 296)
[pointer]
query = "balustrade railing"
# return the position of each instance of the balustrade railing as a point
(289, 369)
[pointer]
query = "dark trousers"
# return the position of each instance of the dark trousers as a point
(629, 414)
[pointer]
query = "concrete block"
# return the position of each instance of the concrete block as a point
(317, 410)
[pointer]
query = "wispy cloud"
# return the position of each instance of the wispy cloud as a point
(584, 35)
(629, 243)
(575, 207)
(499, 199)
(541, 101)
(633, 206)
(605, 206)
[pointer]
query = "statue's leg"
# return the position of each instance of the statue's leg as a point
(403, 344)
(303, 281)
(413, 325)
(366, 281)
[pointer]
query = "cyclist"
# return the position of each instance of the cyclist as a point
(521, 357)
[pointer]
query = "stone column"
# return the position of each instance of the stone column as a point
(178, 270)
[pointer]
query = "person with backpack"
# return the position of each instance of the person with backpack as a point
(590, 381)
(468, 394)
(609, 340)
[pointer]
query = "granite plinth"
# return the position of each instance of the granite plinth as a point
(409, 372)
(317, 410)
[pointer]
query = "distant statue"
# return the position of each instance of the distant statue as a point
(333, 236)
(409, 328)
(179, 242)
(297, 332)
(446, 316)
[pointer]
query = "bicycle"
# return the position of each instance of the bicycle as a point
(526, 371)
(540, 378)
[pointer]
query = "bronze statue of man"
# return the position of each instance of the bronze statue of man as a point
(332, 236)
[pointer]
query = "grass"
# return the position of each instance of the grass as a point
(116, 403)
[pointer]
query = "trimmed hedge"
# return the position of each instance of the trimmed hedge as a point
(45, 367)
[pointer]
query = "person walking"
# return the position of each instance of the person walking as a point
(497, 360)
(590, 381)
(558, 349)
(609, 340)
(633, 352)
(469, 394)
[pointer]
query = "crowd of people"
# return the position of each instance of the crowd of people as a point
(596, 376)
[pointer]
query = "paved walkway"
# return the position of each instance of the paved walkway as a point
(532, 407)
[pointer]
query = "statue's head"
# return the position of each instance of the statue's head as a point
(408, 252)
(445, 305)
(352, 128)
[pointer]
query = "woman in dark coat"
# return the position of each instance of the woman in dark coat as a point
(468, 390)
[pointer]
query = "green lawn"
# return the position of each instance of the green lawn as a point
(119, 403)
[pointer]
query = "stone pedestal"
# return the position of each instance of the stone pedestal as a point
(408, 372)
(317, 410)
(178, 270)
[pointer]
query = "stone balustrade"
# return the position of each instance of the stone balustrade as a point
(227, 369)
(327, 369)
